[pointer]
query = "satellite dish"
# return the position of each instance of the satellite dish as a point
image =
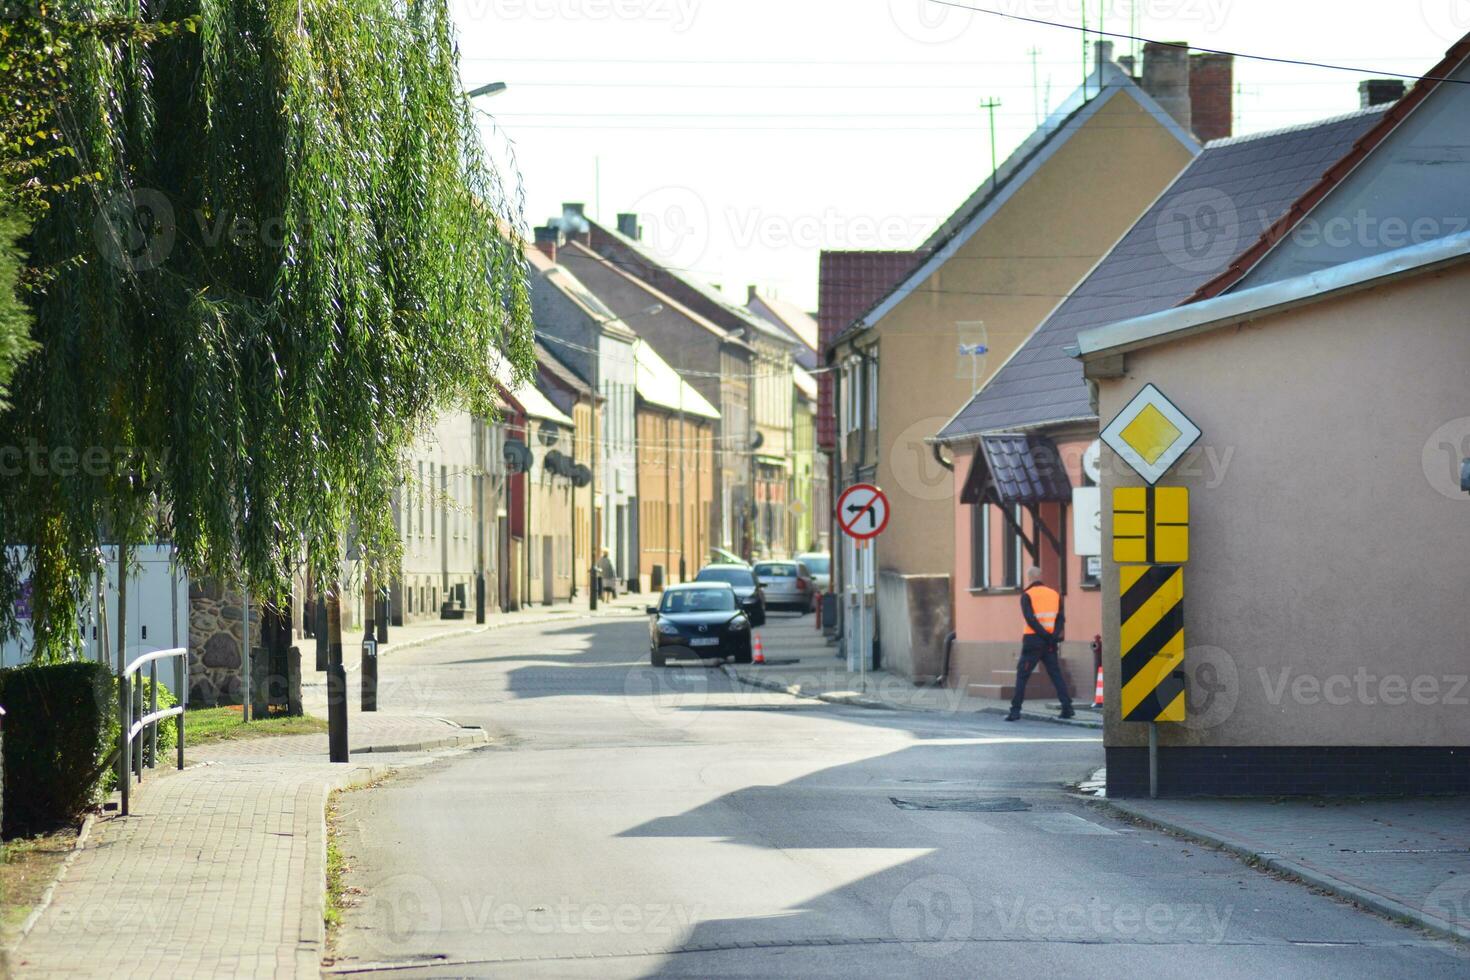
(548, 434)
(1092, 461)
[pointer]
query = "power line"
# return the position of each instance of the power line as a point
(1190, 47)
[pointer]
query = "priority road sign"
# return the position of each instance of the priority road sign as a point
(1151, 611)
(1150, 434)
(862, 511)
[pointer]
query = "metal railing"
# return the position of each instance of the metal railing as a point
(130, 706)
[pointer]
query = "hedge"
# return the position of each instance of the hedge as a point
(60, 728)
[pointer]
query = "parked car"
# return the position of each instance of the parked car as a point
(719, 556)
(698, 620)
(819, 563)
(748, 590)
(787, 584)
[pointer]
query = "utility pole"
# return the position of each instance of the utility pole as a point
(990, 105)
(683, 466)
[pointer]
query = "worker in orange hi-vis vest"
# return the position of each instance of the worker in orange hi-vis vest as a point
(1041, 608)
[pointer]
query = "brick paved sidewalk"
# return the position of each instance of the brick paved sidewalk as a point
(220, 869)
(1409, 859)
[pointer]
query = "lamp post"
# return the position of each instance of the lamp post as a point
(492, 88)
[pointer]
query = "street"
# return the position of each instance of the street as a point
(632, 822)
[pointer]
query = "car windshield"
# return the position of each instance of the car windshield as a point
(818, 564)
(776, 569)
(735, 576)
(698, 600)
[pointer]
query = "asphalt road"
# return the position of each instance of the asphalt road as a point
(637, 823)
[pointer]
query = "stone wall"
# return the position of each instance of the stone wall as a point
(216, 627)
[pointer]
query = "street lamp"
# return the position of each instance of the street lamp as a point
(493, 88)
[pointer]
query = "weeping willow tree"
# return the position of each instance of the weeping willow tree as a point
(286, 257)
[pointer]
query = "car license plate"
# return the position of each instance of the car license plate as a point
(705, 641)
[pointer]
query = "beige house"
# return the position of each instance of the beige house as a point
(1324, 624)
(993, 272)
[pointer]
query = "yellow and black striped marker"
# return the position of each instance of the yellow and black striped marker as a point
(1151, 524)
(1152, 614)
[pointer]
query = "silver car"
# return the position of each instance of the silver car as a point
(787, 584)
(819, 564)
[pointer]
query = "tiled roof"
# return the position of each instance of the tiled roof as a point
(1343, 164)
(792, 319)
(1238, 186)
(1022, 469)
(849, 283)
(553, 366)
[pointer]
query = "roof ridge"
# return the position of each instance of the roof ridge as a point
(1298, 127)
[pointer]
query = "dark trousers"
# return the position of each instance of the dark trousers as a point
(1046, 655)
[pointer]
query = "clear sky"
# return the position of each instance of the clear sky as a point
(751, 134)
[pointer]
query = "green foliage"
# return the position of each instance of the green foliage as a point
(60, 726)
(271, 250)
(14, 321)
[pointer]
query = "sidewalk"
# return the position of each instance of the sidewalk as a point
(816, 673)
(1407, 859)
(220, 870)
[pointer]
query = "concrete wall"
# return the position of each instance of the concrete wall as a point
(913, 620)
(1329, 545)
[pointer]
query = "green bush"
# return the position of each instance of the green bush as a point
(60, 728)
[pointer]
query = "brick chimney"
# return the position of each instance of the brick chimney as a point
(1104, 51)
(628, 226)
(1376, 91)
(1212, 95)
(574, 222)
(750, 293)
(547, 238)
(1166, 78)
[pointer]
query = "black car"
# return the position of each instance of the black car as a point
(747, 588)
(698, 620)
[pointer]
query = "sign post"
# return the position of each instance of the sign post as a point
(862, 513)
(1150, 547)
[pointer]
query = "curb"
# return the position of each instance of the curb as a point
(865, 701)
(467, 737)
(1304, 873)
(35, 915)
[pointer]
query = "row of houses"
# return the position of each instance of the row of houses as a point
(664, 424)
(1299, 294)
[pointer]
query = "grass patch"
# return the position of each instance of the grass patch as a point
(27, 868)
(205, 725)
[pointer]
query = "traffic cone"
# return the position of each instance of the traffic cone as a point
(758, 651)
(1097, 698)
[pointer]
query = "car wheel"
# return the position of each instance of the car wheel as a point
(744, 657)
(659, 660)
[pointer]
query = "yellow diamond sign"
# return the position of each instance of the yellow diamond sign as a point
(1150, 434)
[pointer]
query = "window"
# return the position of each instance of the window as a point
(422, 494)
(983, 541)
(872, 391)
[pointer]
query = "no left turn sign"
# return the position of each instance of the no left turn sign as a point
(862, 511)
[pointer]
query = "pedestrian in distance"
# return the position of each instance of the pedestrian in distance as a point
(607, 577)
(1045, 621)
